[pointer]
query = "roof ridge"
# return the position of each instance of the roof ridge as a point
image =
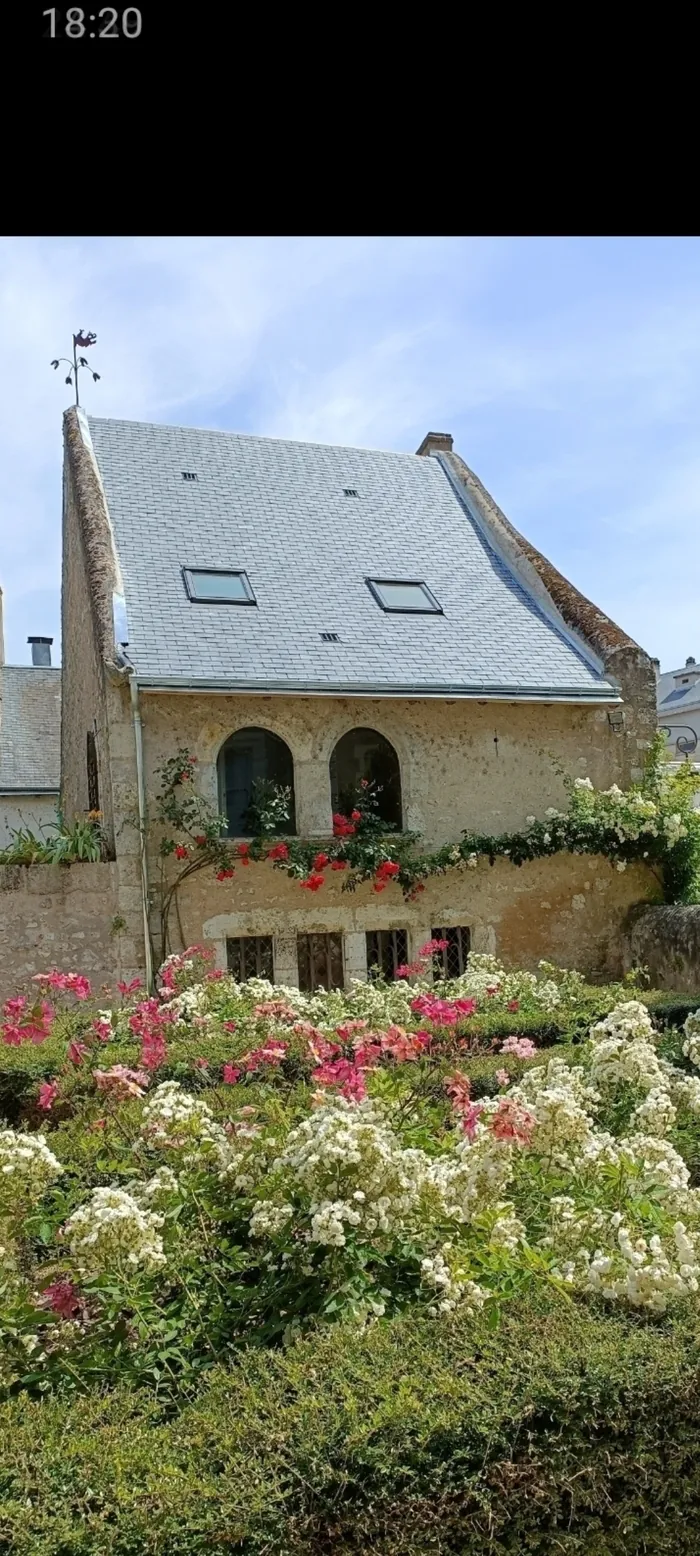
(253, 437)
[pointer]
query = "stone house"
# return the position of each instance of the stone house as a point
(30, 726)
(311, 614)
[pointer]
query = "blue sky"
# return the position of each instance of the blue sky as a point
(568, 371)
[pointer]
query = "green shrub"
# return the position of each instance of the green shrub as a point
(560, 1434)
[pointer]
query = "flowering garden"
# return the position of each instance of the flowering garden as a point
(280, 1270)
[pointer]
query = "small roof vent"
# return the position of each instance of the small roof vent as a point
(189, 475)
(329, 637)
(350, 491)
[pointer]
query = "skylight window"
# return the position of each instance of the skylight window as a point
(405, 595)
(217, 586)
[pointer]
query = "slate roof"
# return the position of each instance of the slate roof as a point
(277, 510)
(30, 729)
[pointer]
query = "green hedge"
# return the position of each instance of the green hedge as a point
(564, 1433)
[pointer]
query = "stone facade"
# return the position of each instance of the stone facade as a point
(462, 766)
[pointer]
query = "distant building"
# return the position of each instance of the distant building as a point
(678, 706)
(30, 741)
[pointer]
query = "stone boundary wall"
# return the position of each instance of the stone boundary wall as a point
(63, 916)
(666, 940)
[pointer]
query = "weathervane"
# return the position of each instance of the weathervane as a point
(84, 338)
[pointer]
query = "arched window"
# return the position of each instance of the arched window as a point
(248, 756)
(363, 753)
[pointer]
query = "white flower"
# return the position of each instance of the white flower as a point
(655, 1115)
(268, 1219)
(451, 1284)
(27, 1167)
(621, 865)
(691, 1046)
(582, 783)
(173, 1119)
(113, 1234)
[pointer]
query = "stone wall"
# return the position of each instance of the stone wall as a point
(61, 916)
(568, 909)
(463, 765)
(666, 940)
(84, 691)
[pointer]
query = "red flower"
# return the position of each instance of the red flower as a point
(200, 841)
(242, 851)
(513, 1005)
(48, 1094)
(339, 864)
(230, 1074)
(224, 875)
(512, 1122)
(342, 827)
(356, 815)
(379, 885)
(128, 988)
(181, 852)
(230, 1026)
(77, 1052)
(279, 851)
(313, 882)
(201, 1064)
(321, 862)
(63, 1298)
(387, 870)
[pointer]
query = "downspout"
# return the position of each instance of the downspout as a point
(141, 793)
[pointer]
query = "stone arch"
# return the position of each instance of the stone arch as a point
(252, 753)
(365, 753)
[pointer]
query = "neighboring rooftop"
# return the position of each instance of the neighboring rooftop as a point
(307, 525)
(30, 729)
(679, 689)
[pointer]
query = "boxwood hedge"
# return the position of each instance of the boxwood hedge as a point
(564, 1432)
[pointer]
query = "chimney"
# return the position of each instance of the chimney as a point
(689, 661)
(41, 650)
(436, 443)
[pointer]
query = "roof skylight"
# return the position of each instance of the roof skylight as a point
(217, 586)
(407, 595)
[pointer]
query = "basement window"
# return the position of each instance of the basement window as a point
(250, 956)
(405, 595)
(320, 959)
(387, 949)
(217, 586)
(452, 962)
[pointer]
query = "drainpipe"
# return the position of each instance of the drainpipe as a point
(141, 792)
